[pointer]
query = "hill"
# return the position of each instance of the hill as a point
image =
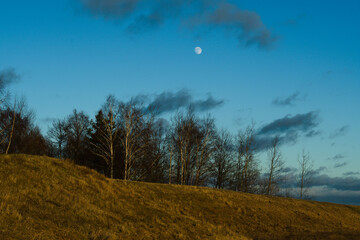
(46, 198)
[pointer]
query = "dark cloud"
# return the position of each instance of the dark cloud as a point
(140, 15)
(348, 197)
(339, 132)
(246, 25)
(291, 22)
(288, 101)
(339, 165)
(327, 73)
(289, 170)
(172, 101)
(313, 133)
(300, 122)
(111, 8)
(319, 170)
(48, 119)
(288, 129)
(336, 157)
(8, 76)
(319, 179)
(351, 173)
(294, 21)
(338, 183)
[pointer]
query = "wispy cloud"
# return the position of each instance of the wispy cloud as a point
(351, 173)
(288, 101)
(300, 122)
(337, 157)
(288, 129)
(339, 132)
(142, 15)
(8, 76)
(48, 119)
(339, 165)
(171, 101)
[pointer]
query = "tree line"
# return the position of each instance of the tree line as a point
(126, 140)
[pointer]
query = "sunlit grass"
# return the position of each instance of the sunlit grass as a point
(45, 198)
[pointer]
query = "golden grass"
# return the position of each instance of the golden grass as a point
(46, 198)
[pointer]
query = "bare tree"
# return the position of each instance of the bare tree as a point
(223, 157)
(78, 125)
(305, 174)
(275, 167)
(12, 128)
(247, 172)
(134, 123)
(191, 143)
(7, 76)
(19, 109)
(108, 133)
(57, 135)
(205, 140)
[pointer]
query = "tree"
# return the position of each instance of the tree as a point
(77, 130)
(150, 166)
(106, 132)
(247, 172)
(191, 144)
(134, 124)
(223, 157)
(275, 167)
(21, 135)
(7, 76)
(57, 134)
(305, 174)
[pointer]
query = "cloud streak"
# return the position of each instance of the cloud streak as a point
(288, 101)
(171, 101)
(339, 165)
(337, 157)
(142, 15)
(339, 132)
(288, 129)
(8, 76)
(300, 122)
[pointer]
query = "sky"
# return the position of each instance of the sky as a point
(292, 67)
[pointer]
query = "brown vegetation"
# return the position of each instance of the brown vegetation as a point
(46, 198)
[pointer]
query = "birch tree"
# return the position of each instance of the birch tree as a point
(57, 135)
(305, 174)
(134, 122)
(275, 167)
(223, 157)
(247, 172)
(107, 132)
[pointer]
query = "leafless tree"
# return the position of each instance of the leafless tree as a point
(108, 133)
(134, 123)
(205, 140)
(191, 144)
(57, 135)
(305, 174)
(246, 173)
(78, 125)
(275, 167)
(7, 76)
(223, 157)
(19, 109)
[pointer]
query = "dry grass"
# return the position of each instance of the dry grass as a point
(45, 198)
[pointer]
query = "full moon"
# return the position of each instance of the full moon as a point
(198, 50)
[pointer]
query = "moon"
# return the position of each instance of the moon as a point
(198, 50)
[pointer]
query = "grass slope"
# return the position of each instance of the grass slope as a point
(45, 198)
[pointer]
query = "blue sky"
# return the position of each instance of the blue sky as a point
(71, 54)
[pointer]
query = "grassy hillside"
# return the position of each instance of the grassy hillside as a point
(45, 198)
